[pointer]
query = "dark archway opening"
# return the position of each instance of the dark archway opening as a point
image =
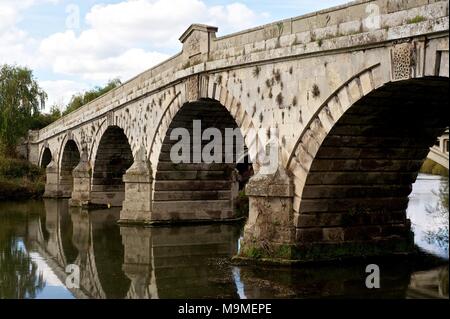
(46, 158)
(70, 159)
(114, 157)
(206, 189)
(359, 182)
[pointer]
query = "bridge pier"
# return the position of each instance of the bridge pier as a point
(274, 232)
(137, 263)
(270, 229)
(52, 181)
(81, 193)
(138, 191)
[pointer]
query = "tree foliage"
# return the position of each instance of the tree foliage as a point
(21, 99)
(81, 99)
(41, 120)
(21, 102)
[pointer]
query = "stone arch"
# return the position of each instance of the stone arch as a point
(46, 157)
(356, 160)
(69, 136)
(302, 154)
(103, 126)
(69, 157)
(229, 110)
(113, 156)
(220, 94)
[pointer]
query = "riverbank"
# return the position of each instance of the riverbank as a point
(20, 180)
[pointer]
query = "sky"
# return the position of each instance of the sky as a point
(73, 46)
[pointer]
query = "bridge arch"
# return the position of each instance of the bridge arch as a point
(69, 157)
(111, 157)
(216, 184)
(46, 157)
(355, 164)
(221, 95)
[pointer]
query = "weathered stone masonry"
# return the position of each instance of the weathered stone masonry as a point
(357, 94)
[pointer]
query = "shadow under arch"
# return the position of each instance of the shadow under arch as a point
(69, 158)
(355, 165)
(187, 185)
(112, 158)
(46, 157)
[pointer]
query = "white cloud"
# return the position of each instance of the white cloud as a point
(10, 11)
(123, 39)
(119, 40)
(16, 45)
(61, 91)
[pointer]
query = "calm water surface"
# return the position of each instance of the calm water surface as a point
(39, 239)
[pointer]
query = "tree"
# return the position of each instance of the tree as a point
(41, 120)
(81, 99)
(21, 98)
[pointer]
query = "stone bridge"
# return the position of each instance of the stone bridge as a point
(355, 96)
(439, 151)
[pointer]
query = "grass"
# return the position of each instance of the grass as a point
(20, 179)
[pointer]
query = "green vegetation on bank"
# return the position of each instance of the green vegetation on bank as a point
(431, 167)
(20, 179)
(21, 102)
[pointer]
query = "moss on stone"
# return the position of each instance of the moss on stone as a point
(416, 19)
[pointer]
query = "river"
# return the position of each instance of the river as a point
(42, 242)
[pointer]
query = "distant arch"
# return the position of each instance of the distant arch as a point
(69, 159)
(46, 158)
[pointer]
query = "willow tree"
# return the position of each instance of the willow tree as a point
(21, 99)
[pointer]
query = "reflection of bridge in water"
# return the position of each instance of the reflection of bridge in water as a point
(191, 262)
(151, 262)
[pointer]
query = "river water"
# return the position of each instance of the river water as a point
(45, 247)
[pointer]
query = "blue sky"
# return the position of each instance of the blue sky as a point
(75, 45)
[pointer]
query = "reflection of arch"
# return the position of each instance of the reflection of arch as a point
(361, 152)
(100, 265)
(165, 263)
(89, 280)
(113, 157)
(78, 237)
(45, 158)
(54, 245)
